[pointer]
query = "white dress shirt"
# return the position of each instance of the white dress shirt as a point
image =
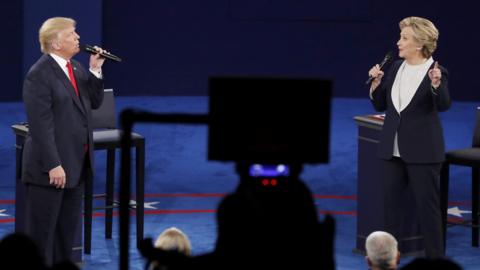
(63, 65)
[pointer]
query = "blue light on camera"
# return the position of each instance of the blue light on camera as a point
(259, 170)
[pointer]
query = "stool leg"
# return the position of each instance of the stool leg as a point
(87, 216)
(109, 192)
(475, 201)
(444, 183)
(140, 187)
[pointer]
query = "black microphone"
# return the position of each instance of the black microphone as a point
(91, 50)
(385, 60)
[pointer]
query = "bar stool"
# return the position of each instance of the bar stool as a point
(107, 137)
(469, 157)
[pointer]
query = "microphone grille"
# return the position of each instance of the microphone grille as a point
(389, 55)
(386, 59)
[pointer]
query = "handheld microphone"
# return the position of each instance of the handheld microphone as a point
(385, 60)
(91, 50)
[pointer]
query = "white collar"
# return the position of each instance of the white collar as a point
(62, 62)
(427, 63)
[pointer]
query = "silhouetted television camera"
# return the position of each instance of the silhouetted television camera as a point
(269, 121)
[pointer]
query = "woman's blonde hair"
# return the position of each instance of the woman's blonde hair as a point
(49, 31)
(172, 239)
(424, 32)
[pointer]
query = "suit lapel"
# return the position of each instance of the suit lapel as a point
(66, 82)
(424, 85)
(391, 80)
(394, 74)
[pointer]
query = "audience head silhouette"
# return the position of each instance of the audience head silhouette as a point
(18, 251)
(382, 251)
(432, 264)
(65, 265)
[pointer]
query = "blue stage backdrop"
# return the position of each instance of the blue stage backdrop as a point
(172, 47)
(11, 49)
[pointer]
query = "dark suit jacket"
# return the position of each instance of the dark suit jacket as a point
(420, 133)
(59, 121)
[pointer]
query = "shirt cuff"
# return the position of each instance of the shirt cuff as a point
(434, 90)
(97, 74)
(371, 93)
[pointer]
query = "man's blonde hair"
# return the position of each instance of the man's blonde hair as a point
(49, 31)
(424, 32)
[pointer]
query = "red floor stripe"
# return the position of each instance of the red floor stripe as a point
(160, 211)
(456, 220)
(185, 195)
(7, 201)
(464, 203)
(97, 214)
(316, 196)
(7, 220)
(339, 197)
(348, 213)
(206, 195)
(194, 211)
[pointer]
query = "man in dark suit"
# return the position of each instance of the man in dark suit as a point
(59, 95)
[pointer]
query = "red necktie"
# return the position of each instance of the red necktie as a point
(72, 78)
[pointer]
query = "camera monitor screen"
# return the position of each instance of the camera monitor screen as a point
(269, 120)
